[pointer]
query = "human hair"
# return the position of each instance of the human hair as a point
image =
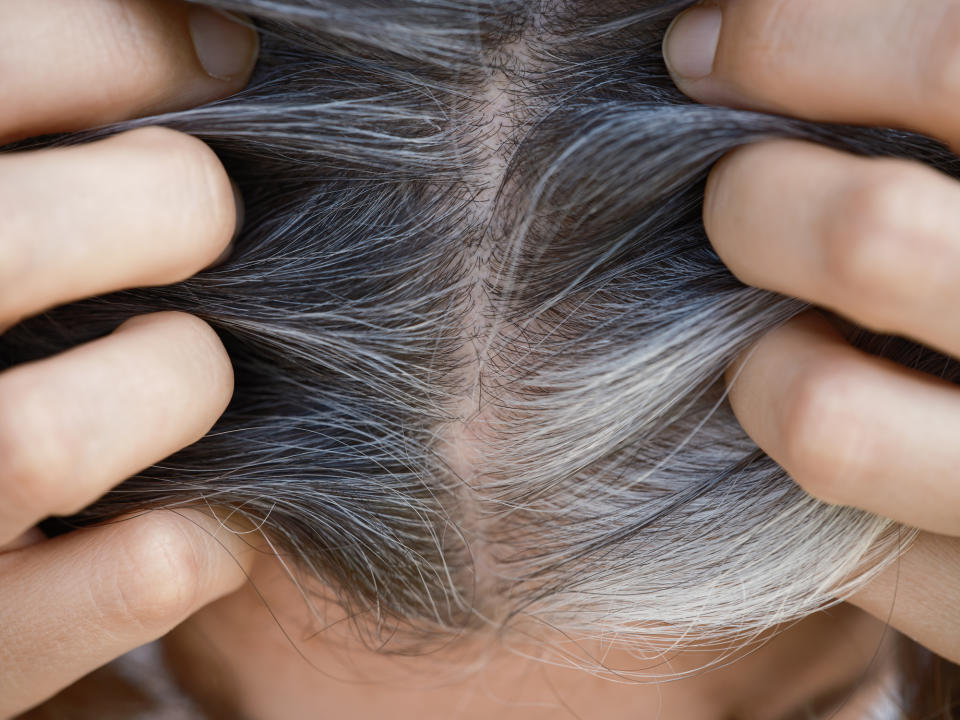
(479, 334)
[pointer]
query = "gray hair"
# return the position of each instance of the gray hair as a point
(479, 333)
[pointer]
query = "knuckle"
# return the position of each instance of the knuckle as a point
(866, 236)
(156, 580)
(34, 451)
(823, 444)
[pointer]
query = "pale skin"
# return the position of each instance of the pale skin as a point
(870, 239)
(319, 670)
(147, 207)
(873, 240)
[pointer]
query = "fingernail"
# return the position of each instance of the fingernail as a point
(691, 42)
(225, 46)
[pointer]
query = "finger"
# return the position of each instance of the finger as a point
(76, 424)
(919, 594)
(874, 239)
(30, 537)
(147, 207)
(70, 605)
(851, 428)
(876, 62)
(77, 64)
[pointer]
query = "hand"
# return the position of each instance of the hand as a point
(875, 240)
(147, 207)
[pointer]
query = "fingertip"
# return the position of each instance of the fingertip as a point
(185, 353)
(759, 377)
(691, 41)
(31, 537)
(716, 200)
(240, 209)
(701, 50)
(138, 58)
(226, 45)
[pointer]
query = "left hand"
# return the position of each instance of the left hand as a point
(146, 207)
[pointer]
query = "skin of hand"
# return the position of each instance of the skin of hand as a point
(874, 240)
(146, 207)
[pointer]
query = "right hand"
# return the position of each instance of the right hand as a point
(873, 239)
(147, 207)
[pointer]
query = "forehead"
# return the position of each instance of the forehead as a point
(803, 670)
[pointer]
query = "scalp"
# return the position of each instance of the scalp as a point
(479, 333)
